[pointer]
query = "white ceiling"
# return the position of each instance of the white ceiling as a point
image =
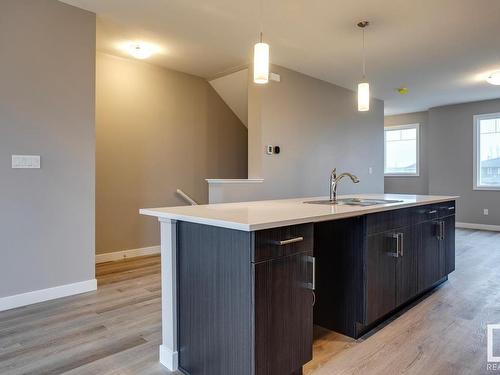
(439, 49)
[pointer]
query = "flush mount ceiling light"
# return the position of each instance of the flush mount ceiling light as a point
(139, 50)
(494, 78)
(261, 57)
(364, 86)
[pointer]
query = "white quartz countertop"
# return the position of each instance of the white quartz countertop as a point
(250, 216)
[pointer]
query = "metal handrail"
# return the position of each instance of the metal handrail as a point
(187, 198)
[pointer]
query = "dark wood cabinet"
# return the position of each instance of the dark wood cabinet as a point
(380, 275)
(406, 264)
(391, 271)
(436, 257)
(214, 300)
(283, 314)
(245, 300)
(429, 258)
(283, 282)
(448, 244)
(337, 247)
(396, 256)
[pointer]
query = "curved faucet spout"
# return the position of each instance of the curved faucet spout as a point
(351, 176)
(334, 180)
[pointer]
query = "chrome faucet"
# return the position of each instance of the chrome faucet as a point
(334, 181)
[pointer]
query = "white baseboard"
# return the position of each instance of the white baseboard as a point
(119, 255)
(169, 358)
(24, 299)
(494, 228)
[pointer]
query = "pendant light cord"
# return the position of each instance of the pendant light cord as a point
(364, 56)
(261, 14)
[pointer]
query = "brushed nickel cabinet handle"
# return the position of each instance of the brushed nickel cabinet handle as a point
(432, 212)
(314, 275)
(395, 236)
(451, 208)
(289, 241)
(440, 235)
(401, 237)
(312, 284)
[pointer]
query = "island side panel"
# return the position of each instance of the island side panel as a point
(215, 300)
(168, 349)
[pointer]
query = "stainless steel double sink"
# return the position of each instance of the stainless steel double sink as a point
(355, 202)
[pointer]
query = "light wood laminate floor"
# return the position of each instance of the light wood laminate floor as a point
(116, 330)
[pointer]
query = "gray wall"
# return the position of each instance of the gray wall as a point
(410, 184)
(157, 130)
(450, 155)
(47, 70)
(318, 127)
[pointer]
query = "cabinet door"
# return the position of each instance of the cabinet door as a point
(283, 314)
(429, 257)
(406, 268)
(448, 244)
(380, 276)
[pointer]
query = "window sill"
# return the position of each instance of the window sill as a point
(486, 188)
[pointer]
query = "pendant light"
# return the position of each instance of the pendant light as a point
(494, 78)
(261, 58)
(364, 86)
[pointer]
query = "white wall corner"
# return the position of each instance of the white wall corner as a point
(36, 296)
(125, 254)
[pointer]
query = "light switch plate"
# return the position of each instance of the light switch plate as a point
(270, 149)
(26, 161)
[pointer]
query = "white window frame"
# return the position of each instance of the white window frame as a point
(402, 127)
(476, 154)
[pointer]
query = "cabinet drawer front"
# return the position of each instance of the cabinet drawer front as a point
(446, 209)
(425, 213)
(389, 220)
(434, 211)
(284, 241)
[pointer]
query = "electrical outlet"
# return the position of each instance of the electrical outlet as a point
(370, 170)
(270, 149)
(486, 212)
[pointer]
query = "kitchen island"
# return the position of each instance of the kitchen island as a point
(243, 283)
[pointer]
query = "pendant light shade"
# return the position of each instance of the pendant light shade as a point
(363, 87)
(261, 54)
(363, 96)
(261, 63)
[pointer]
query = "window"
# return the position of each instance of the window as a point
(401, 150)
(487, 152)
